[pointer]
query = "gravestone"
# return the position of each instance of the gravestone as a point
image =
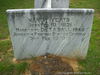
(54, 3)
(64, 32)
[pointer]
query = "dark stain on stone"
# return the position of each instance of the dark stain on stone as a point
(43, 4)
(19, 14)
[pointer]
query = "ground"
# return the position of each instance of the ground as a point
(91, 64)
(50, 65)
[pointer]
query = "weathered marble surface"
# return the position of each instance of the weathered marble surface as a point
(54, 3)
(64, 32)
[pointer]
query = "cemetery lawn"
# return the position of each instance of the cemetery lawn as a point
(90, 65)
(92, 62)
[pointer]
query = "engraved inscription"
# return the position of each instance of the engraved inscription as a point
(49, 28)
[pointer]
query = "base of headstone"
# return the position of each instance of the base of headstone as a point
(50, 65)
(38, 64)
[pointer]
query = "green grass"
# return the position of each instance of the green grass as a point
(6, 53)
(12, 69)
(10, 4)
(90, 64)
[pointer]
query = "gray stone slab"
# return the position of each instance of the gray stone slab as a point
(54, 3)
(64, 32)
